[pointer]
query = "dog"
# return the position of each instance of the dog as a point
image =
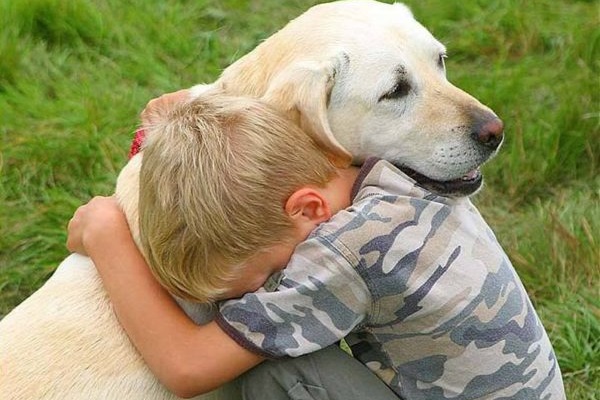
(362, 78)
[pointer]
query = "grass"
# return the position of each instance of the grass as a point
(74, 76)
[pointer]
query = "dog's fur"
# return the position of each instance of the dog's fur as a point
(363, 78)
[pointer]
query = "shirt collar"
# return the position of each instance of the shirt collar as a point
(365, 169)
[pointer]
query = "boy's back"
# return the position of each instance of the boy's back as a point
(423, 290)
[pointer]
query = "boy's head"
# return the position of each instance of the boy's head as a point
(215, 176)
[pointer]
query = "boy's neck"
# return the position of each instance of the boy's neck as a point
(339, 189)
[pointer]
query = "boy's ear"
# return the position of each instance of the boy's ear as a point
(308, 205)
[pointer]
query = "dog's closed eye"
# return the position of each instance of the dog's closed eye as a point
(400, 89)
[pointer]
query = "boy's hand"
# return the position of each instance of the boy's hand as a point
(189, 359)
(157, 108)
(94, 223)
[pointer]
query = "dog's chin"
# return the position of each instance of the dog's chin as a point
(461, 187)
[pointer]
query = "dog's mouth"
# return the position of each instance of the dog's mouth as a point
(463, 186)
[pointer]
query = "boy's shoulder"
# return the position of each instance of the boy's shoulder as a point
(384, 201)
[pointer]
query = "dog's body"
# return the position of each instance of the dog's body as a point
(64, 342)
(377, 91)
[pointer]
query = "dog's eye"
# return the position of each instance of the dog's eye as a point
(441, 61)
(401, 89)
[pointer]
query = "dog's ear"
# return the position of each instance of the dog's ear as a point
(302, 91)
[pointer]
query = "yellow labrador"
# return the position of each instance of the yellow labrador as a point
(363, 78)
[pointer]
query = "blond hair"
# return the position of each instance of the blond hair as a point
(215, 176)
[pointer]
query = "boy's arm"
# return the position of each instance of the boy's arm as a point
(320, 299)
(187, 358)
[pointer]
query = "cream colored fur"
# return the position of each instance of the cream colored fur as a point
(328, 69)
(64, 341)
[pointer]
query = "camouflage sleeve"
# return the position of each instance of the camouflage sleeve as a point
(320, 299)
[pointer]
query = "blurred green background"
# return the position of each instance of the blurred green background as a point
(75, 74)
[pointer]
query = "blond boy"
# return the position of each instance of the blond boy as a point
(417, 282)
(221, 177)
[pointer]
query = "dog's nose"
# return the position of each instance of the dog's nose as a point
(491, 133)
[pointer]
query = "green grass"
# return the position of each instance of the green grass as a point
(75, 74)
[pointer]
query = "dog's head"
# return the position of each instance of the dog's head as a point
(365, 78)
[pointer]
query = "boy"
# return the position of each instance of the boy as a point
(418, 284)
(191, 178)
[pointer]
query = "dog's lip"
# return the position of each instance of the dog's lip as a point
(463, 186)
(471, 175)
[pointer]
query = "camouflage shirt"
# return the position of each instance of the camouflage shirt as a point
(421, 290)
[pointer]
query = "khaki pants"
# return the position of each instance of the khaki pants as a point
(328, 374)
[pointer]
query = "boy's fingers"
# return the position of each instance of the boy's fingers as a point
(74, 242)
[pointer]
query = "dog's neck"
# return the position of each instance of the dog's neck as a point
(127, 194)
